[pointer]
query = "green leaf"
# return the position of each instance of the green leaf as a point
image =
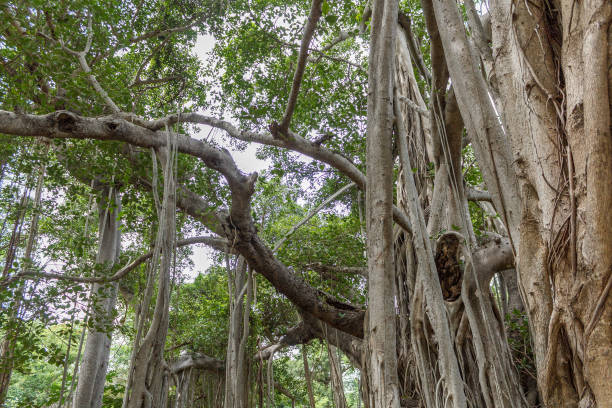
(325, 8)
(331, 19)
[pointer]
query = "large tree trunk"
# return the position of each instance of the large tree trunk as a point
(478, 113)
(485, 362)
(92, 374)
(381, 347)
(552, 68)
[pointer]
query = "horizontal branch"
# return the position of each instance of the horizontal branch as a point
(310, 328)
(198, 361)
(65, 124)
(214, 242)
(493, 255)
(477, 195)
(350, 270)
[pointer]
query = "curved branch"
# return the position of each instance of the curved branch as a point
(198, 361)
(294, 142)
(494, 255)
(238, 225)
(477, 195)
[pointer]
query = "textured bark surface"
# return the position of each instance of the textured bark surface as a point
(381, 347)
(307, 377)
(562, 148)
(478, 114)
(335, 368)
(236, 371)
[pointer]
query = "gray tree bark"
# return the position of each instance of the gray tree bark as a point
(381, 335)
(307, 377)
(241, 295)
(552, 69)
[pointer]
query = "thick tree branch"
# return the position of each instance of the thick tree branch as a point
(295, 142)
(64, 124)
(238, 227)
(477, 195)
(494, 255)
(198, 361)
(310, 328)
(300, 334)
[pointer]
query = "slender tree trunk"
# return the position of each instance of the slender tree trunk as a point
(307, 377)
(242, 368)
(335, 369)
(92, 374)
(515, 301)
(183, 388)
(148, 383)
(16, 233)
(236, 361)
(381, 334)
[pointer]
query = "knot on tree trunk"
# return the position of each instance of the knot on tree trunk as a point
(66, 121)
(449, 265)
